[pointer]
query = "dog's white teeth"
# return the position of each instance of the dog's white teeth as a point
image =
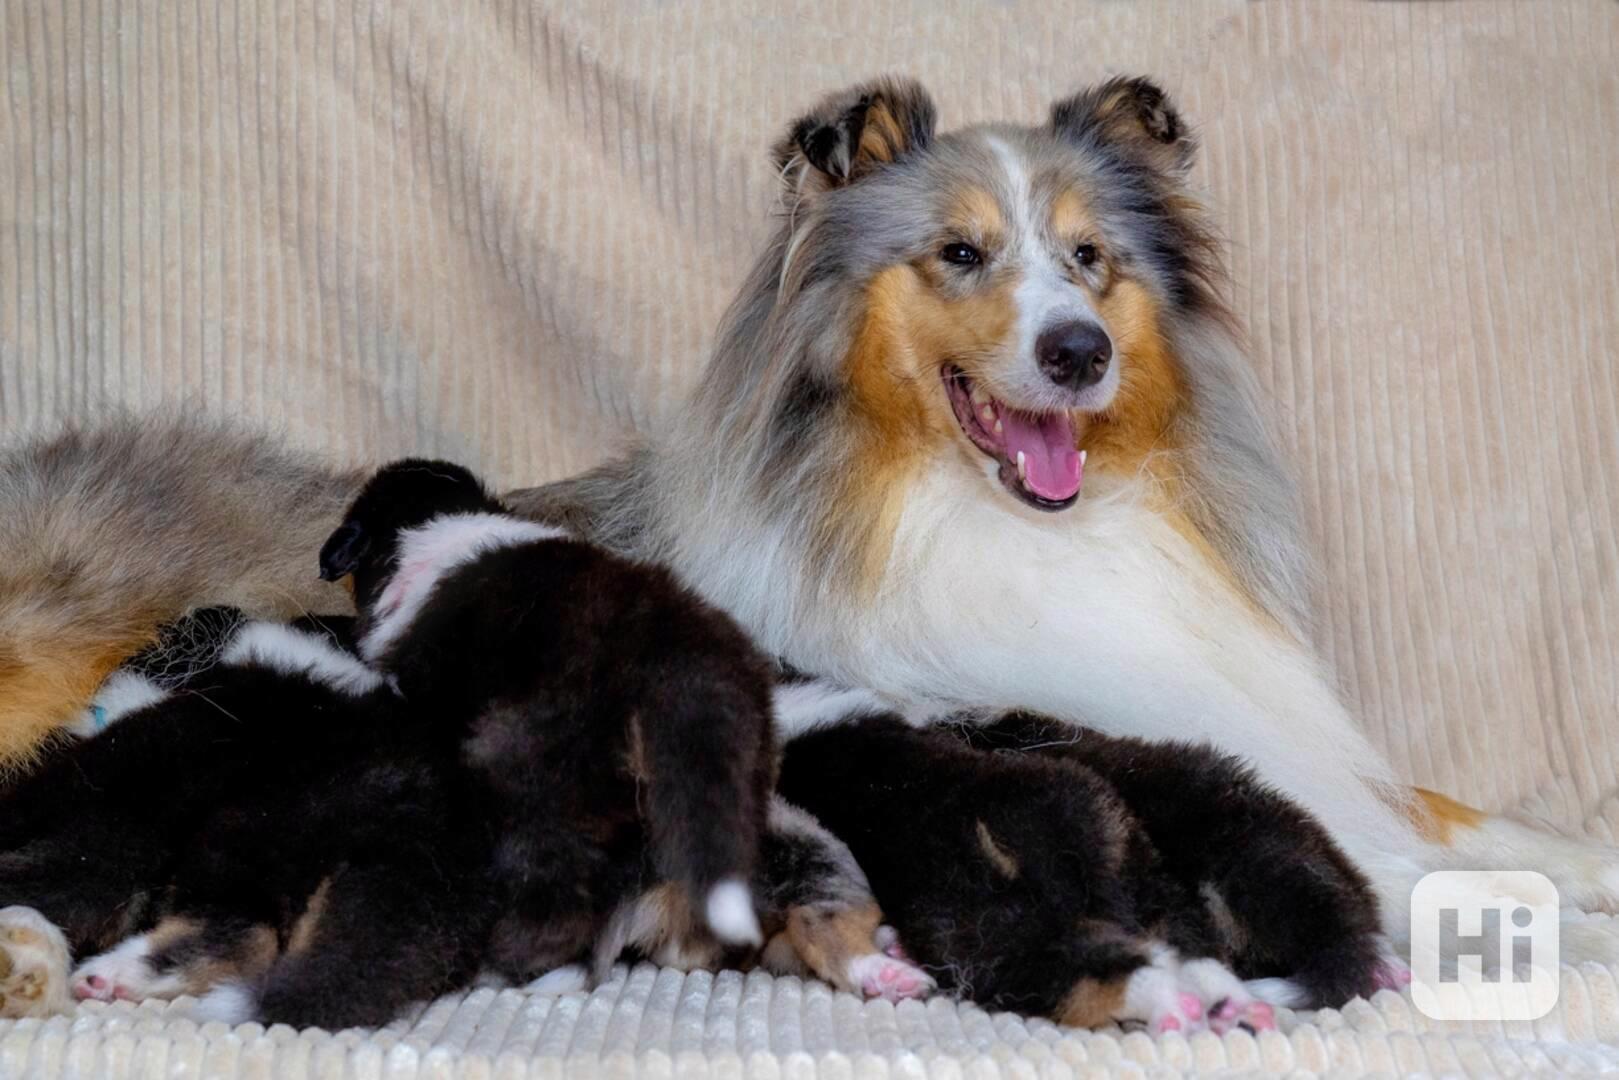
(999, 427)
(979, 396)
(1082, 459)
(1022, 466)
(988, 413)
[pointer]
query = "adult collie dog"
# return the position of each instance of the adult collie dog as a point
(979, 431)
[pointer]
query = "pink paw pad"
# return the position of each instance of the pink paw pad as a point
(1392, 975)
(893, 980)
(1191, 1006)
(96, 988)
(1169, 1023)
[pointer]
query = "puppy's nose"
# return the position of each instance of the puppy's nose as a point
(1074, 354)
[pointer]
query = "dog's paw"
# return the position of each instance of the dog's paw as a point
(34, 962)
(883, 976)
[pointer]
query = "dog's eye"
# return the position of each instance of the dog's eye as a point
(1085, 254)
(961, 254)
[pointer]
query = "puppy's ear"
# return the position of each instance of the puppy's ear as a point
(1133, 115)
(343, 550)
(854, 132)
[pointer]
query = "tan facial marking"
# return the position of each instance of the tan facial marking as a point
(976, 215)
(1071, 218)
(902, 419)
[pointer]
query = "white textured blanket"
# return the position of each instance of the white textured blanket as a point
(660, 1023)
(503, 231)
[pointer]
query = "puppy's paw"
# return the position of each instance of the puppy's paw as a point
(1228, 1000)
(1155, 998)
(34, 962)
(124, 973)
(1392, 974)
(882, 976)
(887, 939)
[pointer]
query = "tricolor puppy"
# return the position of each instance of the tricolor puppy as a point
(1093, 879)
(618, 728)
(256, 822)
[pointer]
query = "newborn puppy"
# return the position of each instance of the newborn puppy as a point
(267, 829)
(618, 729)
(1036, 867)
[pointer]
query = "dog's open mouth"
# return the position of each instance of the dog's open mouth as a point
(1035, 451)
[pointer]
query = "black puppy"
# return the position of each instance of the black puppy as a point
(605, 710)
(265, 826)
(623, 731)
(1037, 867)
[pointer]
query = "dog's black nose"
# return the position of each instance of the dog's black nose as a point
(1074, 354)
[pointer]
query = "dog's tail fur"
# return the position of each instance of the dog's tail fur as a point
(110, 531)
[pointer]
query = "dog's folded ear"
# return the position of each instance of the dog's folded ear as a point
(341, 554)
(855, 131)
(1129, 114)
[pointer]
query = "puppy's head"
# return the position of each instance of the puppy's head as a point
(401, 496)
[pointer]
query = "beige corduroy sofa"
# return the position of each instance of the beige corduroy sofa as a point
(503, 231)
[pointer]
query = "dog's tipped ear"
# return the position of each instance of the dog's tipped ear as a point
(341, 554)
(855, 131)
(1133, 114)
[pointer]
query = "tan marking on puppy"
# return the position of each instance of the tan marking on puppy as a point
(248, 958)
(998, 856)
(303, 930)
(899, 419)
(1437, 817)
(1092, 1003)
(826, 940)
(635, 755)
(169, 931)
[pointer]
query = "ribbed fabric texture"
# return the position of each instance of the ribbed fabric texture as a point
(665, 1025)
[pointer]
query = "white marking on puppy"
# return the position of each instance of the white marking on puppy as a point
(1153, 995)
(803, 707)
(880, 976)
(34, 961)
(123, 693)
(427, 552)
(122, 973)
(296, 652)
(731, 915)
(568, 979)
(229, 1003)
(1282, 993)
(1228, 1000)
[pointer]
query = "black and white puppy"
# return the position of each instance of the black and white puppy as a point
(1036, 867)
(258, 823)
(620, 730)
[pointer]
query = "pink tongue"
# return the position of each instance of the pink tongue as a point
(1051, 463)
